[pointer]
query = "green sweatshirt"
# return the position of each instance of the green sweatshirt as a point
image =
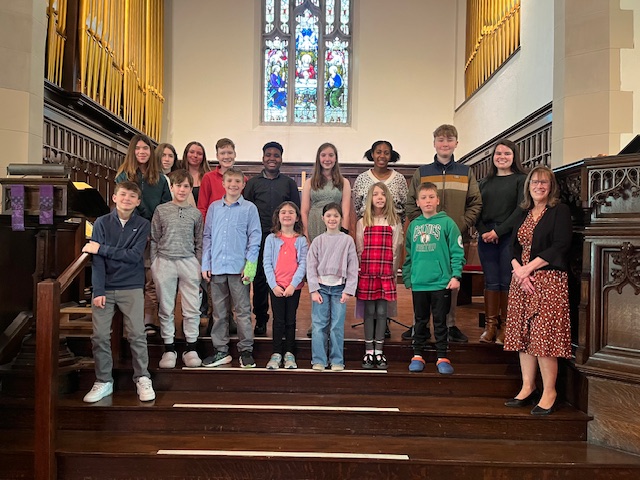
(434, 253)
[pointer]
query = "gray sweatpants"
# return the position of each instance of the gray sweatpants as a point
(131, 304)
(169, 276)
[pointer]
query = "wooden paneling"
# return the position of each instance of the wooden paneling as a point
(615, 407)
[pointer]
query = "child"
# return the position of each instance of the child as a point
(211, 189)
(117, 244)
(285, 262)
(378, 238)
(176, 251)
(432, 269)
(332, 273)
(459, 197)
(140, 167)
(232, 237)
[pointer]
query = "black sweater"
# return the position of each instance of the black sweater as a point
(551, 238)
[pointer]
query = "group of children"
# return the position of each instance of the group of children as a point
(224, 248)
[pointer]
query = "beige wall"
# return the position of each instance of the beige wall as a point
(22, 47)
(593, 110)
(520, 87)
(402, 82)
(630, 70)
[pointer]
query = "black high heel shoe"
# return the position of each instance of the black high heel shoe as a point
(530, 400)
(539, 411)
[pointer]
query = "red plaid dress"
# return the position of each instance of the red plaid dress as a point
(376, 281)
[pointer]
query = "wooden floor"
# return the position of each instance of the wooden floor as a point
(466, 317)
(233, 423)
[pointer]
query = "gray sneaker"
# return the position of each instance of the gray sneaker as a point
(290, 361)
(220, 358)
(274, 361)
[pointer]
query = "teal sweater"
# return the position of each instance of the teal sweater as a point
(434, 253)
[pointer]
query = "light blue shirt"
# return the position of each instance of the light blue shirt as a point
(231, 236)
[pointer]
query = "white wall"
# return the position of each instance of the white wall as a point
(519, 88)
(403, 79)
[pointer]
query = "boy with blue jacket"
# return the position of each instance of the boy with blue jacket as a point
(230, 248)
(432, 269)
(117, 244)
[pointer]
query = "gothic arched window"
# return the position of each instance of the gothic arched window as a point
(306, 64)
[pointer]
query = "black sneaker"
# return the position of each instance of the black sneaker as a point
(456, 336)
(309, 332)
(260, 330)
(408, 335)
(381, 361)
(367, 362)
(246, 360)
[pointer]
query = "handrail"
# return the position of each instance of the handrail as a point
(46, 374)
(72, 271)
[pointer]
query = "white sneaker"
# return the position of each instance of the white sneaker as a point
(318, 367)
(337, 368)
(290, 361)
(191, 359)
(98, 392)
(274, 361)
(168, 360)
(145, 390)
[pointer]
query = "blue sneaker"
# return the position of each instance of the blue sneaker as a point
(417, 364)
(444, 366)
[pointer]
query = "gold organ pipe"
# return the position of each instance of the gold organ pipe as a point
(492, 35)
(120, 52)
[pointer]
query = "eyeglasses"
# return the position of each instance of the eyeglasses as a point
(539, 182)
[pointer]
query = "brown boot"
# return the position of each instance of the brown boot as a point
(491, 308)
(504, 297)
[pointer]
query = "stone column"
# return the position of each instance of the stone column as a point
(23, 28)
(592, 114)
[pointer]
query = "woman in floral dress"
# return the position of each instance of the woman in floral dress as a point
(538, 322)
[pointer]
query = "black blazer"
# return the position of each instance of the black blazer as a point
(551, 238)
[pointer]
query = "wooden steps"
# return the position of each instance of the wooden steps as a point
(356, 424)
(267, 456)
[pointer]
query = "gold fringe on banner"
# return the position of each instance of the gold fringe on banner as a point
(492, 35)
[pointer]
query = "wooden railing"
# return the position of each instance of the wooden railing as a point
(532, 135)
(46, 374)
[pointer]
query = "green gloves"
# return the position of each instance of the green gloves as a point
(250, 269)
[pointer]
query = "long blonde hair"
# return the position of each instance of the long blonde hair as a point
(389, 210)
(130, 164)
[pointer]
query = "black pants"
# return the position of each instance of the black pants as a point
(436, 303)
(261, 290)
(284, 322)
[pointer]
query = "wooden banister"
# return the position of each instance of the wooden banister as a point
(46, 375)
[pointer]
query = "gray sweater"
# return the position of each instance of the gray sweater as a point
(176, 232)
(333, 254)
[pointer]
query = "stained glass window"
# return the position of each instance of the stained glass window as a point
(307, 49)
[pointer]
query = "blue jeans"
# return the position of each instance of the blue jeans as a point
(327, 320)
(496, 263)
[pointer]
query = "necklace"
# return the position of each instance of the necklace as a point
(379, 176)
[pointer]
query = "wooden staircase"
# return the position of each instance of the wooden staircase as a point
(302, 424)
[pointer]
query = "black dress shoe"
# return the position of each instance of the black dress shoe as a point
(408, 335)
(260, 330)
(538, 410)
(530, 400)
